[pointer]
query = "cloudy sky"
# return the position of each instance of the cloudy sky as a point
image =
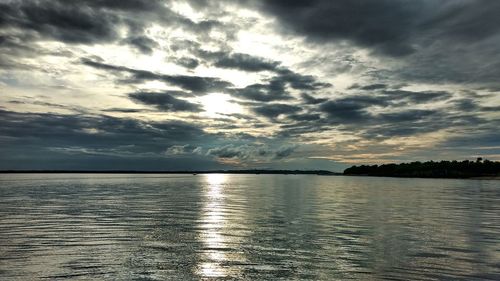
(321, 84)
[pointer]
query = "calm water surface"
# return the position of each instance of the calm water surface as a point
(254, 227)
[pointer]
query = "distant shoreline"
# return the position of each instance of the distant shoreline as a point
(243, 172)
(265, 172)
(417, 177)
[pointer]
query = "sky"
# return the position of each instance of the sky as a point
(186, 85)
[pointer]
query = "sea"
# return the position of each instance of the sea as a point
(247, 227)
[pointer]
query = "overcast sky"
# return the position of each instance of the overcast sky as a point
(170, 85)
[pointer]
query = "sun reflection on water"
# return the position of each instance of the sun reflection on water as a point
(212, 222)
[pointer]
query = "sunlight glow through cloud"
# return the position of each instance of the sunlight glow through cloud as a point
(217, 103)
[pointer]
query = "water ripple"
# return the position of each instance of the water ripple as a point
(247, 227)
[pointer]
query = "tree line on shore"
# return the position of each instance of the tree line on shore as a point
(430, 169)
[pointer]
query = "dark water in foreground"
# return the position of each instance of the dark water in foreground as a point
(255, 227)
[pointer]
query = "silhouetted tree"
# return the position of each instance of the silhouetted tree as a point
(430, 169)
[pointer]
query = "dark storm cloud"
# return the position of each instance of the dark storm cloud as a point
(92, 131)
(355, 108)
(180, 44)
(96, 21)
(417, 97)
(393, 27)
(466, 105)
(165, 102)
(408, 115)
(298, 81)
(388, 131)
(274, 110)
(12, 48)
(126, 5)
(435, 41)
(485, 137)
(373, 87)
(15, 46)
(59, 20)
(470, 105)
(104, 66)
(453, 63)
(344, 111)
(355, 113)
(384, 24)
(190, 63)
(46, 141)
(124, 110)
(305, 117)
(298, 129)
(491, 108)
(14, 43)
(412, 122)
(271, 91)
(395, 115)
(58, 141)
(144, 44)
(464, 20)
(238, 61)
(195, 84)
(275, 88)
(308, 99)
(245, 62)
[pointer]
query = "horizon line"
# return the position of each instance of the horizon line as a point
(230, 171)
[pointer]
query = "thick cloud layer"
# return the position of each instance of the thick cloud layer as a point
(387, 25)
(393, 27)
(164, 101)
(210, 84)
(191, 83)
